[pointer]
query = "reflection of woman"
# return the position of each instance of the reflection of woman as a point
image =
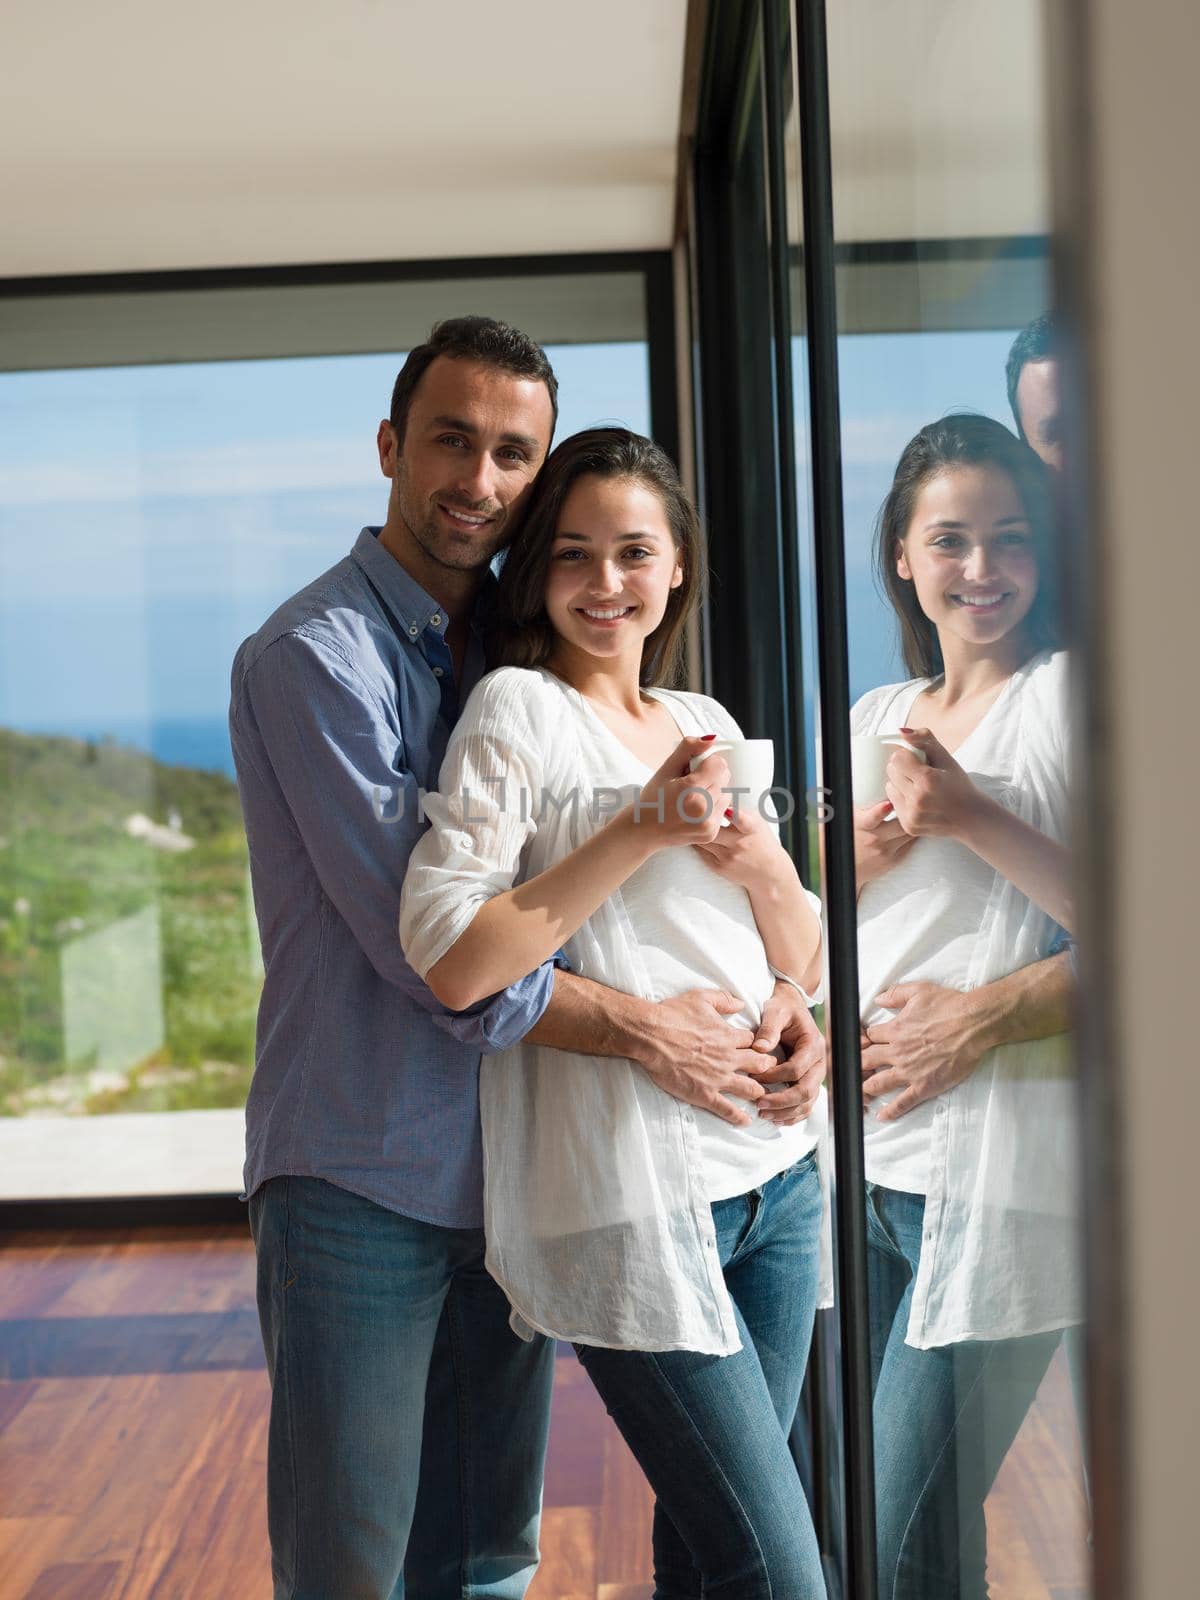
(677, 1252)
(970, 1193)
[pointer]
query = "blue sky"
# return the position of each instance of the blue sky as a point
(151, 517)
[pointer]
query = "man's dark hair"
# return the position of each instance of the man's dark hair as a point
(1037, 342)
(481, 339)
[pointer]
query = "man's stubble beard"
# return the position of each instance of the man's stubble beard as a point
(440, 547)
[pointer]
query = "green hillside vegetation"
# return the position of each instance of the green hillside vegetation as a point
(129, 974)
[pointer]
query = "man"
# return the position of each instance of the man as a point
(939, 1036)
(1033, 390)
(408, 1424)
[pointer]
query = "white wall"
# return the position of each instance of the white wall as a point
(1137, 69)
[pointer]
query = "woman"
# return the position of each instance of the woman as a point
(971, 1218)
(678, 1253)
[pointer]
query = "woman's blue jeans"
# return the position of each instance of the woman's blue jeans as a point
(711, 1432)
(408, 1422)
(944, 1421)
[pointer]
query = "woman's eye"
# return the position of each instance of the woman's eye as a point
(569, 555)
(946, 542)
(638, 552)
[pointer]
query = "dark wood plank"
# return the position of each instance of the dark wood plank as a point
(13, 1398)
(163, 1271)
(77, 1580)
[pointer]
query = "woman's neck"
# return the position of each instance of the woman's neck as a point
(615, 683)
(969, 671)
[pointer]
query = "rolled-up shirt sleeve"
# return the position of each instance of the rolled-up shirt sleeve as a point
(481, 820)
(340, 764)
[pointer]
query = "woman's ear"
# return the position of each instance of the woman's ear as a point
(677, 575)
(902, 566)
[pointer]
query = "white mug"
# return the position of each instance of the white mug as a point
(869, 756)
(751, 764)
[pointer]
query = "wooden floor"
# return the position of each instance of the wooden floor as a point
(133, 1407)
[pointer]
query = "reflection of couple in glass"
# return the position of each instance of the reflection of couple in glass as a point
(963, 879)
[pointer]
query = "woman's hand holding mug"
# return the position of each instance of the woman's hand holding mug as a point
(679, 806)
(745, 849)
(933, 795)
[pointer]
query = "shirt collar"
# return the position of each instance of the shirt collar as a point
(415, 610)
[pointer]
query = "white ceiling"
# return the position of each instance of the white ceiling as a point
(938, 111)
(143, 134)
(146, 134)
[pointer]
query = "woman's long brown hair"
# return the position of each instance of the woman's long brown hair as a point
(963, 439)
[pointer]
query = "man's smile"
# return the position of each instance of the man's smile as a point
(466, 520)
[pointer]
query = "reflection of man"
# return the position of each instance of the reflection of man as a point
(938, 1036)
(408, 1424)
(1033, 390)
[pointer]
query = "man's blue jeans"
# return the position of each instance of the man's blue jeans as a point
(408, 1423)
(711, 1432)
(944, 1421)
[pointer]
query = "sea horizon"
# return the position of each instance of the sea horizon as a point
(198, 742)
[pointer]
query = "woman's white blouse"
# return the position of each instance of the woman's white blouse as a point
(596, 1183)
(996, 1155)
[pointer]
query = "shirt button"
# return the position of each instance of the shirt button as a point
(438, 672)
(413, 629)
(436, 619)
(940, 1111)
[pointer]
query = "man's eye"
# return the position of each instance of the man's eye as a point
(454, 439)
(518, 456)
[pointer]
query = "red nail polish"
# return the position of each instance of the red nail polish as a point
(729, 814)
(907, 730)
(707, 736)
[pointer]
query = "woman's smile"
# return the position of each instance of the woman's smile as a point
(990, 601)
(605, 616)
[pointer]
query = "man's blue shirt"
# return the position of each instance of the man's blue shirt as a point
(341, 707)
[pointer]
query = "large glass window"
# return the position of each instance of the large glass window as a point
(151, 516)
(955, 1356)
(955, 631)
